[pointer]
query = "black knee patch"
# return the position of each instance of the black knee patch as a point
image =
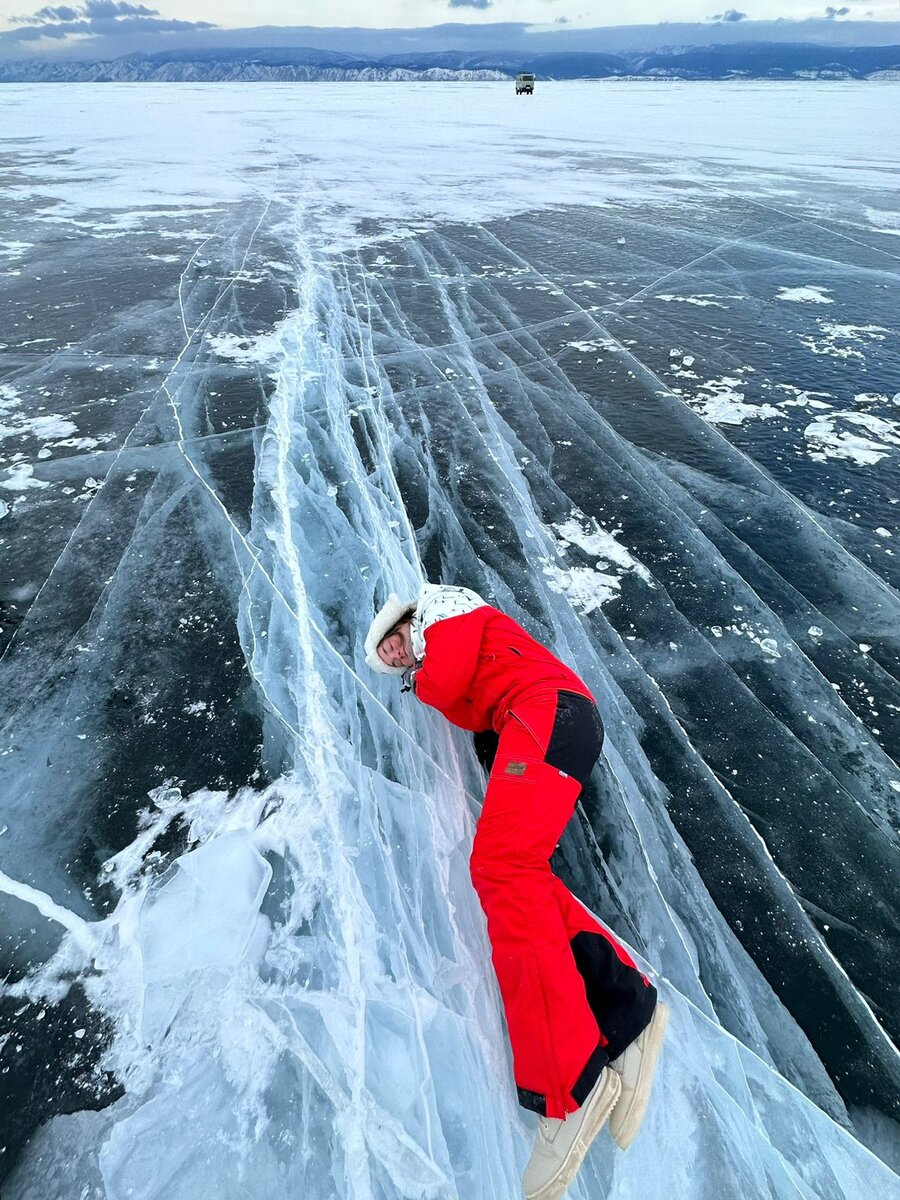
(577, 737)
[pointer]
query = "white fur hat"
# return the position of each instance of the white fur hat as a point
(386, 618)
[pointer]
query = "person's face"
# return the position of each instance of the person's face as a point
(395, 650)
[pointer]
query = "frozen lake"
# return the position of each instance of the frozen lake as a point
(625, 359)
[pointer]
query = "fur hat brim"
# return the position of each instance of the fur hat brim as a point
(386, 618)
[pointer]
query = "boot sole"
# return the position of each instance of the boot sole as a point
(597, 1116)
(629, 1121)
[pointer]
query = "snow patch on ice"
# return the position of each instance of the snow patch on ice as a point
(245, 350)
(9, 397)
(599, 343)
(884, 222)
(836, 339)
(84, 443)
(703, 300)
(589, 587)
(21, 479)
(586, 588)
(134, 218)
(14, 249)
(808, 294)
(875, 398)
(49, 427)
(14, 423)
(828, 439)
(721, 403)
(803, 398)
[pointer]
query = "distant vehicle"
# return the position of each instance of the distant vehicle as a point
(524, 84)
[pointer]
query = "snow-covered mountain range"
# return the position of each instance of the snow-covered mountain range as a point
(286, 64)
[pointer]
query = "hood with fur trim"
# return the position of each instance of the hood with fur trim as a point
(389, 615)
(435, 602)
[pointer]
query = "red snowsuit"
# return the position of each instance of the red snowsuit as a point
(574, 998)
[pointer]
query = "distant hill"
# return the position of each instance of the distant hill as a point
(307, 64)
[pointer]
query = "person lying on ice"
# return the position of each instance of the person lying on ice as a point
(584, 1023)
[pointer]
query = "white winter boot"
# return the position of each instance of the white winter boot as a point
(560, 1146)
(635, 1066)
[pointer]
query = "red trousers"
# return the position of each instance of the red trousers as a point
(573, 997)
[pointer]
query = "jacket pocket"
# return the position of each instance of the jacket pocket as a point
(518, 769)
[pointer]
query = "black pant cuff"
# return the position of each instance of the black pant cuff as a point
(533, 1101)
(589, 1076)
(583, 1084)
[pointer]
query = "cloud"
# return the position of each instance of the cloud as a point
(52, 14)
(470, 3)
(831, 13)
(34, 33)
(108, 8)
(94, 18)
(730, 14)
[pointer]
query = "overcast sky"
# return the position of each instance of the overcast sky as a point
(55, 21)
